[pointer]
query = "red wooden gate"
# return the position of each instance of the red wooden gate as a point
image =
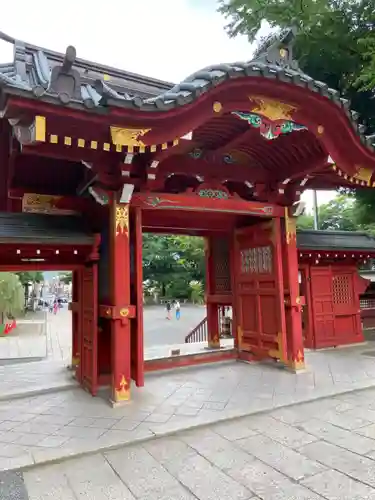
(89, 311)
(260, 313)
(322, 306)
(335, 304)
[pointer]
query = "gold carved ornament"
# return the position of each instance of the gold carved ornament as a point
(363, 174)
(124, 312)
(298, 363)
(273, 110)
(240, 336)
(128, 136)
(279, 353)
(122, 219)
(290, 227)
(123, 393)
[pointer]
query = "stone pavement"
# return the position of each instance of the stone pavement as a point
(55, 341)
(53, 426)
(317, 450)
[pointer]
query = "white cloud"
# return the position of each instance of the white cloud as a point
(166, 39)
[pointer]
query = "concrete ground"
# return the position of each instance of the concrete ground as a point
(275, 460)
(317, 450)
(60, 424)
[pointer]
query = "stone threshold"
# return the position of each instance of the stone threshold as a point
(57, 456)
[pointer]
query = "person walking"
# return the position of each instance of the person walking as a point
(168, 307)
(177, 306)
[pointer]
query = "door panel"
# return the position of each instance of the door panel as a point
(322, 306)
(259, 290)
(136, 292)
(346, 306)
(89, 309)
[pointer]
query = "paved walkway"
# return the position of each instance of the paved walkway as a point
(51, 426)
(319, 450)
(53, 340)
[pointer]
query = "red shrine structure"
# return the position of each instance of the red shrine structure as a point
(92, 156)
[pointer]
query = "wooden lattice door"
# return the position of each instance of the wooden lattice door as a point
(221, 279)
(259, 291)
(89, 311)
(346, 305)
(322, 306)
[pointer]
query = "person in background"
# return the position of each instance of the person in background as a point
(177, 306)
(168, 307)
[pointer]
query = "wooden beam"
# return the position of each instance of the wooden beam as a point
(219, 171)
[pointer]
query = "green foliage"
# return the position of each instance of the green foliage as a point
(335, 44)
(172, 262)
(335, 39)
(12, 296)
(66, 277)
(196, 292)
(33, 276)
(343, 213)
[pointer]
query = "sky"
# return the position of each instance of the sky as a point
(165, 39)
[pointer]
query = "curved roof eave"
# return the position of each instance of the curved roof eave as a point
(273, 62)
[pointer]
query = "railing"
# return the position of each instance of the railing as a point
(367, 303)
(199, 334)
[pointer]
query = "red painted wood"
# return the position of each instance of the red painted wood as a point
(191, 202)
(137, 362)
(213, 337)
(307, 312)
(260, 295)
(293, 308)
(75, 319)
(120, 299)
(322, 306)
(189, 360)
(89, 345)
(335, 306)
(5, 163)
(348, 327)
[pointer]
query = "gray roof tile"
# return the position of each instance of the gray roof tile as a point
(335, 240)
(40, 228)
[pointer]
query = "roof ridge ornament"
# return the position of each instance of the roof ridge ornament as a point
(277, 48)
(66, 81)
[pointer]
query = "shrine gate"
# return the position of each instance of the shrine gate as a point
(225, 155)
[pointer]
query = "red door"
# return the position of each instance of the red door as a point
(259, 289)
(136, 324)
(348, 328)
(89, 309)
(322, 306)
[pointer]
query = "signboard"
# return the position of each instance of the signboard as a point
(44, 204)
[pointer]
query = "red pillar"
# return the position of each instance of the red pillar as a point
(213, 327)
(295, 348)
(120, 310)
(74, 307)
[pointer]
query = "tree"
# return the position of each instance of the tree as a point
(172, 262)
(340, 214)
(66, 277)
(337, 215)
(335, 44)
(30, 276)
(11, 295)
